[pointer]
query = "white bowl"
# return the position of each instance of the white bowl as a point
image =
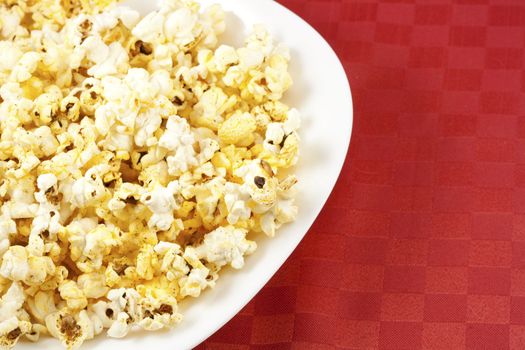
(322, 94)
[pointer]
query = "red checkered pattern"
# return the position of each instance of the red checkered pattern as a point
(422, 244)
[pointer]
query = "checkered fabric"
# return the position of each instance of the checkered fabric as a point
(422, 244)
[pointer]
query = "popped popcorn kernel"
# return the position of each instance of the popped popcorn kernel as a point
(238, 130)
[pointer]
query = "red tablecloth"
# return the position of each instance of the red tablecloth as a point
(422, 244)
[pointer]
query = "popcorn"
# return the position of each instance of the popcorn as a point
(109, 60)
(136, 155)
(150, 28)
(124, 306)
(12, 322)
(238, 130)
(293, 121)
(25, 67)
(236, 198)
(97, 243)
(250, 58)
(161, 201)
(179, 26)
(7, 228)
(126, 15)
(86, 191)
(224, 57)
(92, 285)
(178, 140)
(119, 328)
(172, 263)
(41, 305)
(46, 142)
(208, 111)
(226, 245)
(47, 105)
(146, 262)
(73, 296)
(274, 136)
(12, 301)
(70, 329)
(194, 282)
(10, 54)
(147, 124)
(19, 265)
(11, 18)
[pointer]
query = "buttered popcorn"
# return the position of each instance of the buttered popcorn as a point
(138, 156)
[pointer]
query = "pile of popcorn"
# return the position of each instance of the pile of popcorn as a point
(136, 155)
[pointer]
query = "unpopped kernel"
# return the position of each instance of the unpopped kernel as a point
(137, 157)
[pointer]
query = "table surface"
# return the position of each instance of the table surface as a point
(422, 244)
